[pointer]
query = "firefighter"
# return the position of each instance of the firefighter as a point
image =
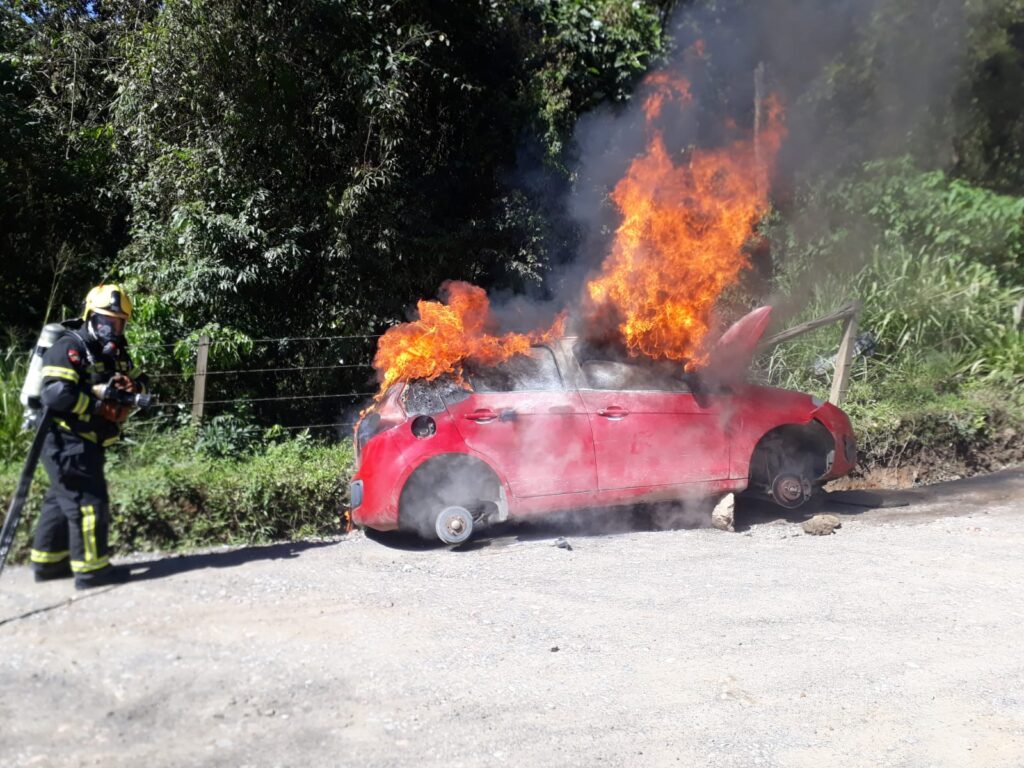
(91, 355)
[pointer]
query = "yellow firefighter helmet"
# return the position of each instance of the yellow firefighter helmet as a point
(108, 299)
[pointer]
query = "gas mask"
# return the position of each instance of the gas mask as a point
(108, 332)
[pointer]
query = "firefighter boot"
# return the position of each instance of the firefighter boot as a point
(51, 571)
(103, 577)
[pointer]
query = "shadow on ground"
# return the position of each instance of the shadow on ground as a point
(581, 523)
(753, 511)
(948, 498)
(577, 523)
(882, 505)
(175, 564)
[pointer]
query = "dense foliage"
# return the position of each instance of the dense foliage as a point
(296, 166)
(166, 495)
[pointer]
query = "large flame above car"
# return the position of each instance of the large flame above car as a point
(447, 333)
(685, 220)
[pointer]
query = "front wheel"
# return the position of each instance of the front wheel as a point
(790, 489)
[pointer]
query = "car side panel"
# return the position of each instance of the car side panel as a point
(649, 439)
(540, 505)
(541, 440)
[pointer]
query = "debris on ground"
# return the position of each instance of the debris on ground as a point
(822, 525)
(562, 543)
(723, 515)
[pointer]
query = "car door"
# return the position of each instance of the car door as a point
(534, 430)
(649, 430)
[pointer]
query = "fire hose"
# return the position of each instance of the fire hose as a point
(17, 505)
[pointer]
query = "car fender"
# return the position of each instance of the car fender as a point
(408, 471)
(759, 410)
(749, 455)
(501, 499)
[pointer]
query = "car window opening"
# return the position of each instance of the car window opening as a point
(429, 397)
(535, 371)
(606, 369)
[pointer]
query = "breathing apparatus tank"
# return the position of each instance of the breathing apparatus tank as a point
(33, 386)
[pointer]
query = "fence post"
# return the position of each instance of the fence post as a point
(199, 388)
(759, 167)
(841, 376)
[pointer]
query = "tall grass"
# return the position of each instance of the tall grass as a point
(938, 266)
(917, 306)
(164, 494)
(13, 441)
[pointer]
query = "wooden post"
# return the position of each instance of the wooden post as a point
(841, 376)
(810, 325)
(759, 169)
(199, 389)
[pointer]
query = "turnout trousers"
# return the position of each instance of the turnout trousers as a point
(74, 521)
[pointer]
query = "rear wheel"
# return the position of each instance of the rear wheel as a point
(454, 525)
(448, 496)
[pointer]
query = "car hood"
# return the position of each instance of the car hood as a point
(732, 354)
(789, 400)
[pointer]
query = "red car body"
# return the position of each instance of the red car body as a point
(576, 433)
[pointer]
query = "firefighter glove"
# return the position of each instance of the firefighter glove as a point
(122, 382)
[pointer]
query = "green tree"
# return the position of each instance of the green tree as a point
(62, 218)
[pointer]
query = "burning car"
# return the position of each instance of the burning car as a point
(473, 424)
(567, 425)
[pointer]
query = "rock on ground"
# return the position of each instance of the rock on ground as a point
(822, 525)
(723, 515)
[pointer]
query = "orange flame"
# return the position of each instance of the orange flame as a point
(680, 243)
(447, 334)
(663, 88)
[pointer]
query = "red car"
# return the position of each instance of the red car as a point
(570, 426)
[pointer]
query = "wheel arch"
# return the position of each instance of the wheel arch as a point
(447, 478)
(809, 445)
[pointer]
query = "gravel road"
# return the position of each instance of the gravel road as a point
(895, 642)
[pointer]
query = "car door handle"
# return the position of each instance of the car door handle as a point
(482, 415)
(613, 412)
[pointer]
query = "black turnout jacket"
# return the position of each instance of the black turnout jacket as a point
(71, 367)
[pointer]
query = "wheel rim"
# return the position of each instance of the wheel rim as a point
(454, 525)
(789, 490)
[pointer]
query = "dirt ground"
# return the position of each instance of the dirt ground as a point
(897, 641)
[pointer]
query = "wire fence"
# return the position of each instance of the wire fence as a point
(292, 369)
(282, 398)
(316, 400)
(177, 381)
(281, 339)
